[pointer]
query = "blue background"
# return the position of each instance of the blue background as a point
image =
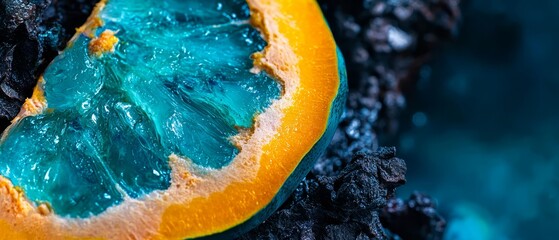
(481, 134)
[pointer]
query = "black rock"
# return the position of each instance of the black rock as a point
(371, 35)
(415, 218)
(32, 34)
(346, 205)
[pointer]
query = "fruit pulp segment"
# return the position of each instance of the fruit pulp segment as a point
(178, 82)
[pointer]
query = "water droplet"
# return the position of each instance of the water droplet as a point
(47, 176)
(85, 105)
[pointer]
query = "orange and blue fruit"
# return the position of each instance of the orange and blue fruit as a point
(172, 119)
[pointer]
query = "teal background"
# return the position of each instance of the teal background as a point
(482, 132)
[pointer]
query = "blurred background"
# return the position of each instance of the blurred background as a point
(481, 133)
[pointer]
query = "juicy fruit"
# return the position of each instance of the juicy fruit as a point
(181, 134)
(180, 84)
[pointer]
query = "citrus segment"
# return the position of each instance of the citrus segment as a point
(156, 123)
(180, 84)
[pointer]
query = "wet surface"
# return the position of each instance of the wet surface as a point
(178, 82)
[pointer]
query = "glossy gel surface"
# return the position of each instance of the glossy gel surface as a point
(178, 82)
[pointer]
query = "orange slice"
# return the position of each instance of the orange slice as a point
(274, 153)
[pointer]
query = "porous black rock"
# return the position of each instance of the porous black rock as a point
(386, 44)
(32, 34)
(414, 218)
(346, 205)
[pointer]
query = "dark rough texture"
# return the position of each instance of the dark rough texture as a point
(343, 206)
(32, 33)
(415, 218)
(381, 68)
